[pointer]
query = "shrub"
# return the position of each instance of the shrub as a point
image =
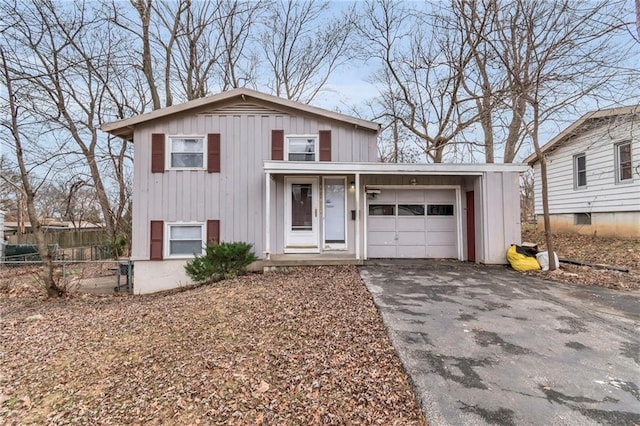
(221, 261)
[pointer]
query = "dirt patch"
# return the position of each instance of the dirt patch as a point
(302, 347)
(592, 249)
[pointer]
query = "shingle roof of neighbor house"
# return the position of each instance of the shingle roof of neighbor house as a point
(579, 126)
(124, 128)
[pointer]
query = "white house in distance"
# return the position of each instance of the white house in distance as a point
(300, 183)
(593, 170)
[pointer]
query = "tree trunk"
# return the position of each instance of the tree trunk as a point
(545, 187)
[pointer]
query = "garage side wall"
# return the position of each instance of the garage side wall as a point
(501, 208)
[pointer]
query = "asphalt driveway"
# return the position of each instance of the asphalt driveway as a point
(487, 345)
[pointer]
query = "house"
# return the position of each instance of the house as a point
(301, 184)
(593, 172)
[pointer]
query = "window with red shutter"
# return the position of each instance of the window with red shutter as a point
(157, 152)
(157, 233)
(277, 144)
(213, 153)
(325, 145)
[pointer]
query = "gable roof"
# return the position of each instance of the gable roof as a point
(580, 126)
(124, 128)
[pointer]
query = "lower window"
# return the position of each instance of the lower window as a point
(185, 239)
(583, 219)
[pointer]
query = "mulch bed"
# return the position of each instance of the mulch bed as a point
(305, 346)
(592, 249)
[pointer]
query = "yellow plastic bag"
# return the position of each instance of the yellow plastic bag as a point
(521, 262)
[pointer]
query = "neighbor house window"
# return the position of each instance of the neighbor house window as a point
(185, 240)
(582, 219)
(624, 170)
(302, 148)
(186, 152)
(580, 171)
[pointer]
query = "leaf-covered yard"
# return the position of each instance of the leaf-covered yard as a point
(593, 249)
(302, 347)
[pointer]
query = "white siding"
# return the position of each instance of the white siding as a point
(236, 195)
(602, 193)
(501, 210)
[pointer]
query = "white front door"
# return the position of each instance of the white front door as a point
(301, 215)
(334, 213)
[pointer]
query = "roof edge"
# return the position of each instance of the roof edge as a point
(569, 131)
(116, 127)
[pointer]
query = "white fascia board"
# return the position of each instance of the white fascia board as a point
(307, 167)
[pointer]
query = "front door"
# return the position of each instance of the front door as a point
(334, 213)
(301, 215)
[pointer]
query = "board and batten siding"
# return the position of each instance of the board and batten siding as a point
(235, 196)
(603, 193)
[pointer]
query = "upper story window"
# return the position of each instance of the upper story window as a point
(302, 148)
(624, 171)
(580, 171)
(186, 152)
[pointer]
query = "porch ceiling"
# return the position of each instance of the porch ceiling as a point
(307, 167)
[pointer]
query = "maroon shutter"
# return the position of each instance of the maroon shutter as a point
(213, 153)
(277, 144)
(325, 145)
(157, 231)
(213, 231)
(157, 153)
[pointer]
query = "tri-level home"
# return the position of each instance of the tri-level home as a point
(593, 173)
(300, 183)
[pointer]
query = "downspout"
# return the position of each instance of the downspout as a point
(267, 216)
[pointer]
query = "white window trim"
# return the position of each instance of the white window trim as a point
(305, 136)
(616, 156)
(576, 184)
(168, 151)
(167, 239)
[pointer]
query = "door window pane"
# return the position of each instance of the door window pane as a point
(301, 207)
(334, 209)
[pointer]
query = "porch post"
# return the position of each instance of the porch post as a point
(357, 216)
(267, 215)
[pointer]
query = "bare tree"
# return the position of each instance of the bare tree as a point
(303, 45)
(557, 54)
(70, 51)
(30, 192)
(422, 70)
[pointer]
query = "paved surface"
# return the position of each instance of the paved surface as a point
(487, 345)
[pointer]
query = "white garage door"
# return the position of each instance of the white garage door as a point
(412, 223)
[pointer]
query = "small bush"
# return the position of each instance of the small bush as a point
(221, 261)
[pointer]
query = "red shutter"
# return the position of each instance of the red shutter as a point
(325, 145)
(213, 231)
(157, 153)
(277, 144)
(157, 231)
(213, 152)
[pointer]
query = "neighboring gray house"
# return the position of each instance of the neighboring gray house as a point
(593, 170)
(300, 183)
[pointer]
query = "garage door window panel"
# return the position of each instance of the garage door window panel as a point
(382, 210)
(440, 209)
(410, 209)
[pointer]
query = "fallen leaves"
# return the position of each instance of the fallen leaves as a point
(593, 249)
(302, 347)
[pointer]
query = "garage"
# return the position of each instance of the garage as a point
(412, 223)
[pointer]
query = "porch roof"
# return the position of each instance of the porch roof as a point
(314, 168)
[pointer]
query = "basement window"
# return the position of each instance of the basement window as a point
(582, 219)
